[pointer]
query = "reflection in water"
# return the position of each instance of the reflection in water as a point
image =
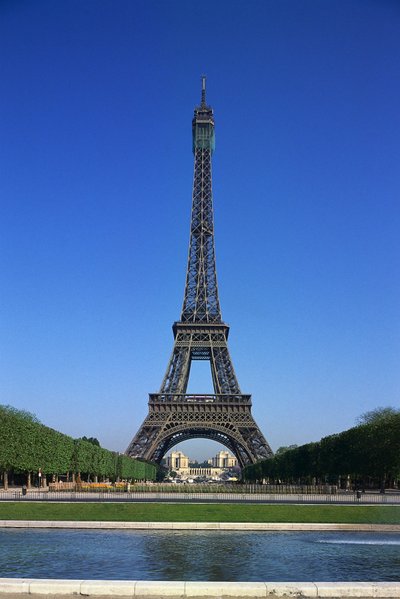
(356, 541)
(199, 555)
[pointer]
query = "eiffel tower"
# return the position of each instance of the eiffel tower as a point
(200, 334)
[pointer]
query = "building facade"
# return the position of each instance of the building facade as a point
(223, 459)
(177, 462)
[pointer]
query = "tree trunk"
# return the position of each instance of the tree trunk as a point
(28, 480)
(5, 480)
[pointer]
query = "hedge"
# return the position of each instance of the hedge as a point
(369, 450)
(27, 446)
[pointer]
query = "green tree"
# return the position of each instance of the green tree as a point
(377, 415)
(91, 440)
(21, 414)
(285, 448)
(28, 446)
(371, 449)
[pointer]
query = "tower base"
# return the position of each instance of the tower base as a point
(174, 418)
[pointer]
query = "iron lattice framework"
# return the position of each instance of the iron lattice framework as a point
(175, 416)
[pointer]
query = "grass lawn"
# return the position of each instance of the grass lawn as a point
(190, 512)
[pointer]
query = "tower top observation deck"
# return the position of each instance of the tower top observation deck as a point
(203, 123)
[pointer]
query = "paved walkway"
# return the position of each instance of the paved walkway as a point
(246, 526)
(16, 588)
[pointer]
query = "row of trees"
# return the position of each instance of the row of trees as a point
(370, 450)
(28, 446)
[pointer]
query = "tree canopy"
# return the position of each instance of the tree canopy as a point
(26, 445)
(91, 440)
(369, 450)
(377, 415)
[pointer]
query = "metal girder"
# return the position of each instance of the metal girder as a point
(225, 418)
(201, 302)
(194, 342)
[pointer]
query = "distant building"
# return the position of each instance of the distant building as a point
(179, 463)
(224, 459)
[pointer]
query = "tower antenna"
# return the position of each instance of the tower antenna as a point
(203, 90)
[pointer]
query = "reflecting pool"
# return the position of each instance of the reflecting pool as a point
(200, 555)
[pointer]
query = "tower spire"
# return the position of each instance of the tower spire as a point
(203, 90)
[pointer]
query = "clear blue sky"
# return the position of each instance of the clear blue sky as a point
(95, 188)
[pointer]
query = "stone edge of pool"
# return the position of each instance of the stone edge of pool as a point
(253, 526)
(108, 588)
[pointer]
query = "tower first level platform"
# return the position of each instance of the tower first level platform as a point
(223, 418)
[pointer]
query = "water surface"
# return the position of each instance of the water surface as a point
(200, 555)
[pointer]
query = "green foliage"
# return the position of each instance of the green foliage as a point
(371, 449)
(377, 415)
(22, 414)
(285, 448)
(136, 469)
(91, 440)
(26, 445)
